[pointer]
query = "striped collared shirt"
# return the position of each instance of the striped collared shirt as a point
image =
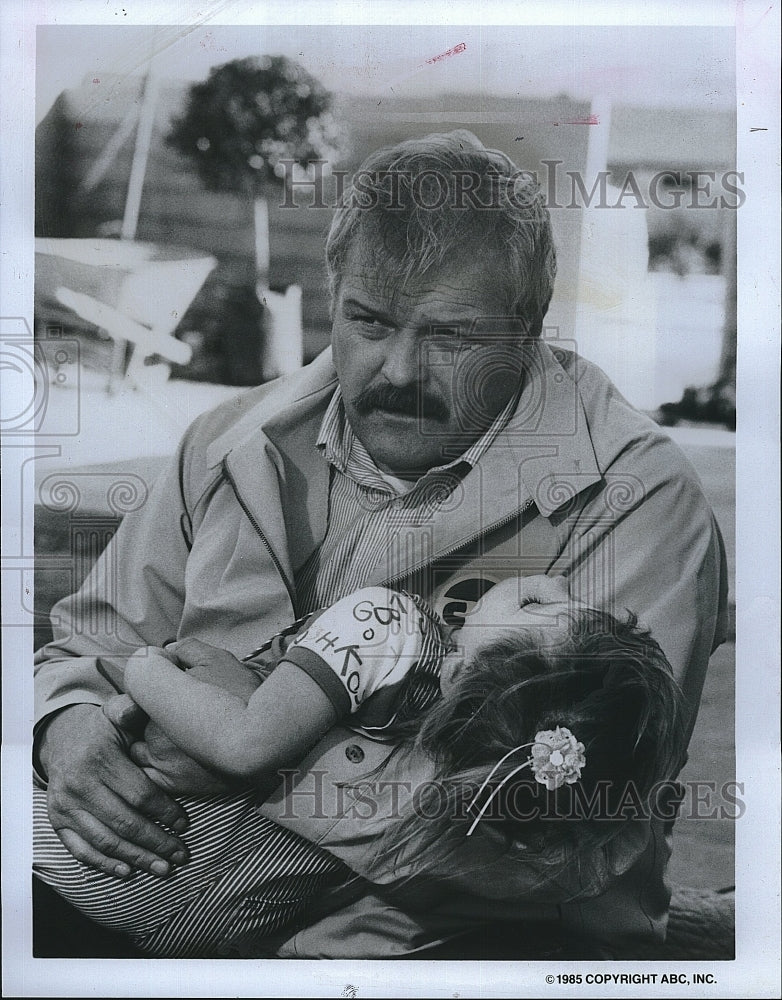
(368, 510)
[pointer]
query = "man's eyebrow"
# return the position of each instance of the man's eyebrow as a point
(462, 316)
(370, 307)
(352, 300)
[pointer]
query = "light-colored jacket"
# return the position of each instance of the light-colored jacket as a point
(578, 483)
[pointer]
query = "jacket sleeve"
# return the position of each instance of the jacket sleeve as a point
(646, 541)
(133, 596)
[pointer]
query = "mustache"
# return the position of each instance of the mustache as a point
(409, 400)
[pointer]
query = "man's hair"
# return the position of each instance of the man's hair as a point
(425, 203)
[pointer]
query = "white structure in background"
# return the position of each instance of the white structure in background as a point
(616, 310)
(616, 325)
(282, 349)
(687, 147)
(690, 318)
(136, 292)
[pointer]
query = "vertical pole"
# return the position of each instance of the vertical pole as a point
(140, 155)
(597, 143)
(282, 348)
(262, 253)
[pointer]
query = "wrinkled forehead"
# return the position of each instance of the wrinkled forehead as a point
(470, 281)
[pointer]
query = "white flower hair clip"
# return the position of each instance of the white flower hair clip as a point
(556, 759)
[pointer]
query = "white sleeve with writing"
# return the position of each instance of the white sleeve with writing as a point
(366, 642)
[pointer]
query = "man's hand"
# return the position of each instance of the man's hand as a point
(103, 807)
(217, 666)
(158, 757)
(170, 768)
(156, 754)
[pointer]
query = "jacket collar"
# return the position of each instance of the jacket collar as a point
(547, 443)
(286, 405)
(548, 438)
(276, 473)
(544, 456)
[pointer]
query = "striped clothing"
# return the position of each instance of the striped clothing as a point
(248, 878)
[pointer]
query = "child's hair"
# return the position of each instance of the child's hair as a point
(607, 681)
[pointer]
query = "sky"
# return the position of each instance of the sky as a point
(647, 65)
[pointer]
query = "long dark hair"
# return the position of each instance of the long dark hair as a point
(607, 681)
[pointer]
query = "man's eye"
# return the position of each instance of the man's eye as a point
(453, 337)
(370, 326)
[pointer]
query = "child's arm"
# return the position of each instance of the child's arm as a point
(152, 749)
(365, 642)
(240, 736)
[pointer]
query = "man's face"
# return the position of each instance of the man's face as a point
(421, 382)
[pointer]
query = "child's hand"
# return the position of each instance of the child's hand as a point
(160, 759)
(216, 666)
(125, 714)
(137, 668)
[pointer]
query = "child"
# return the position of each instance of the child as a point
(515, 712)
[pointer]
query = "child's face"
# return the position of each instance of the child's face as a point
(539, 603)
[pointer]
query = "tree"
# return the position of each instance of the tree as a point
(247, 117)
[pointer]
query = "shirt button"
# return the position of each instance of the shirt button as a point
(354, 753)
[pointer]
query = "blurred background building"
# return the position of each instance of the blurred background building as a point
(641, 289)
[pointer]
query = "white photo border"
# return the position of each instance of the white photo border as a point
(755, 971)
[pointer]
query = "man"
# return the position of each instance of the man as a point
(442, 448)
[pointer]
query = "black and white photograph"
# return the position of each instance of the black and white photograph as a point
(390, 436)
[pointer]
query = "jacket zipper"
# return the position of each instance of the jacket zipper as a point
(414, 569)
(455, 548)
(254, 523)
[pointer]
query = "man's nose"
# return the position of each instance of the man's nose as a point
(402, 365)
